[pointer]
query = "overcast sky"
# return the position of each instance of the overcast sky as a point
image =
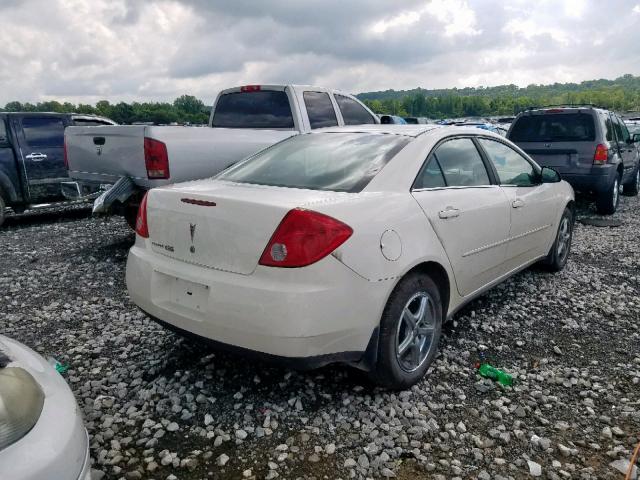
(87, 50)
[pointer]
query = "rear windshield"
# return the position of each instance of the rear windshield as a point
(261, 109)
(340, 162)
(554, 127)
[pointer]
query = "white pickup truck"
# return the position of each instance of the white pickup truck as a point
(130, 159)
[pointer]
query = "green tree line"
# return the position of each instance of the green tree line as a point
(621, 94)
(184, 109)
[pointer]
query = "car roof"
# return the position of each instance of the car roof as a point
(394, 129)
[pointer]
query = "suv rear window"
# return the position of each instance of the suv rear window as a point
(554, 127)
(261, 109)
(340, 162)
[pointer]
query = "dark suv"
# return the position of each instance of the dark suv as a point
(590, 147)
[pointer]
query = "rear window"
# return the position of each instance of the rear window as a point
(261, 109)
(341, 162)
(554, 127)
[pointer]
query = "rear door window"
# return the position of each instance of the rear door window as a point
(352, 112)
(258, 109)
(320, 109)
(4, 137)
(621, 130)
(431, 176)
(554, 127)
(461, 163)
(43, 132)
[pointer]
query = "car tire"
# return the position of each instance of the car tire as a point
(633, 186)
(3, 210)
(608, 200)
(410, 331)
(559, 254)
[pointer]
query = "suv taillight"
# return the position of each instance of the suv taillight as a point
(156, 159)
(602, 155)
(304, 237)
(142, 227)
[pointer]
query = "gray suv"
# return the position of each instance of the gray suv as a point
(590, 147)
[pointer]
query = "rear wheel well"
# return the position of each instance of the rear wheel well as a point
(572, 206)
(441, 279)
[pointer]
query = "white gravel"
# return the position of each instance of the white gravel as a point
(158, 406)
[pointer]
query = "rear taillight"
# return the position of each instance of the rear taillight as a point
(601, 156)
(250, 88)
(66, 155)
(142, 227)
(304, 237)
(156, 159)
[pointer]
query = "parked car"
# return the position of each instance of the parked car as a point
(42, 435)
(348, 245)
(590, 147)
(243, 121)
(477, 124)
(392, 120)
(32, 169)
(418, 120)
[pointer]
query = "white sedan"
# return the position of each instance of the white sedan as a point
(42, 436)
(349, 245)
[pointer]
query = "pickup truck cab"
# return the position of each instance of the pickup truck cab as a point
(243, 121)
(32, 168)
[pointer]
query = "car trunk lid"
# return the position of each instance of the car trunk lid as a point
(223, 225)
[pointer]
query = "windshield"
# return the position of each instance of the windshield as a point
(554, 127)
(256, 109)
(341, 162)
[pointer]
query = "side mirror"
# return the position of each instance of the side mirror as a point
(549, 175)
(635, 138)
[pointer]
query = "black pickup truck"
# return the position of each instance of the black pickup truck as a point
(32, 159)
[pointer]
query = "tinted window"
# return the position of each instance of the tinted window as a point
(320, 110)
(261, 109)
(512, 167)
(81, 122)
(43, 131)
(461, 163)
(621, 130)
(4, 138)
(608, 125)
(431, 176)
(352, 112)
(343, 162)
(554, 127)
(411, 120)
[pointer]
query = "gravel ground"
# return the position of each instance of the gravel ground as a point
(157, 406)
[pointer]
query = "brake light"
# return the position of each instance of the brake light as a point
(250, 88)
(602, 155)
(304, 237)
(66, 156)
(142, 227)
(156, 159)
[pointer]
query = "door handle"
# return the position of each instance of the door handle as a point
(517, 203)
(449, 212)
(36, 157)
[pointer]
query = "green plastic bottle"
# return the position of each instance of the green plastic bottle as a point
(494, 373)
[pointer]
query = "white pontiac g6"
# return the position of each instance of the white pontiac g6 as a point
(351, 244)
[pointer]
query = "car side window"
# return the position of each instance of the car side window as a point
(43, 131)
(609, 128)
(512, 168)
(461, 163)
(618, 129)
(4, 137)
(320, 109)
(352, 112)
(623, 130)
(431, 175)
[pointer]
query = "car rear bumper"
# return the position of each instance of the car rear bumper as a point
(58, 445)
(310, 316)
(598, 179)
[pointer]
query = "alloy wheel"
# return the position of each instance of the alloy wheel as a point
(564, 239)
(415, 332)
